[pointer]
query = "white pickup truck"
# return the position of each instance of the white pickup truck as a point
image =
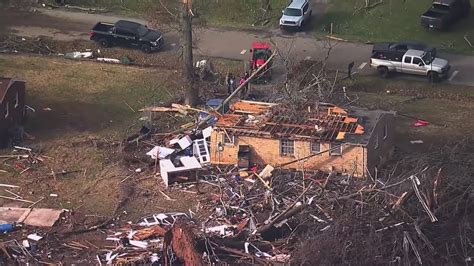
(414, 62)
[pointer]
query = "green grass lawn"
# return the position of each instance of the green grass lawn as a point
(239, 13)
(446, 107)
(394, 20)
(74, 97)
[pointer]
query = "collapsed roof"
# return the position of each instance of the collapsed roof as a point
(322, 122)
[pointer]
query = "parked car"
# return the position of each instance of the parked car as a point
(414, 62)
(395, 51)
(127, 34)
(296, 14)
(443, 13)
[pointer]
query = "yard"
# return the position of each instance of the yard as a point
(83, 113)
(445, 107)
(391, 21)
(84, 97)
(85, 110)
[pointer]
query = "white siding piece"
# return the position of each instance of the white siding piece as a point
(185, 142)
(159, 152)
(201, 151)
(167, 167)
(207, 132)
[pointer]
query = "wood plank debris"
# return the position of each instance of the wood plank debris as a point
(33, 217)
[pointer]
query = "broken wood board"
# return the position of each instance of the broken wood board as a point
(163, 109)
(33, 217)
(175, 107)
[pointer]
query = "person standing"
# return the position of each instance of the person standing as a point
(232, 83)
(227, 82)
(349, 69)
(246, 77)
(242, 90)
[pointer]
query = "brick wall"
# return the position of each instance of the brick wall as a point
(267, 151)
(377, 155)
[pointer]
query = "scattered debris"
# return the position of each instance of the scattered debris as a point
(163, 219)
(160, 152)
(109, 60)
(467, 40)
(34, 237)
(33, 217)
(420, 123)
(9, 186)
(78, 55)
(180, 169)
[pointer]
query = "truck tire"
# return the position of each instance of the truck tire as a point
(146, 48)
(104, 43)
(383, 72)
(433, 77)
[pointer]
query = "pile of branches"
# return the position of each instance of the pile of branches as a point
(16, 44)
(309, 81)
(419, 212)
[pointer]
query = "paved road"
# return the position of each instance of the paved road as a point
(231, 44)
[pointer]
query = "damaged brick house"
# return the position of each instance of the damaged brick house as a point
(12, 109)
(326, 138)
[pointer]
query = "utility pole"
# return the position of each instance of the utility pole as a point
(186, 16)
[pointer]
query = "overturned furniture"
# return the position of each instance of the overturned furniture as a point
(182, 168)
(321, 137)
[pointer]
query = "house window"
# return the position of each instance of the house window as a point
(17, 102)
(376, 146)
(315, 147)
(7, 109)
(385, 132)
(335, 149)
(287, 147)
(227, 139)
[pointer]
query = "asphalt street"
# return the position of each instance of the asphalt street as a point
(232, 44)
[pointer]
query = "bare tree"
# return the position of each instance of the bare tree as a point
(307, 81)
(266, 5)
(186, 16)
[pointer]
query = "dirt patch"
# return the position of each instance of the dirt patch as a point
(16, 18)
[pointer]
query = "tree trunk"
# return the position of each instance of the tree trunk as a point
(266, 5)
(187, 49)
